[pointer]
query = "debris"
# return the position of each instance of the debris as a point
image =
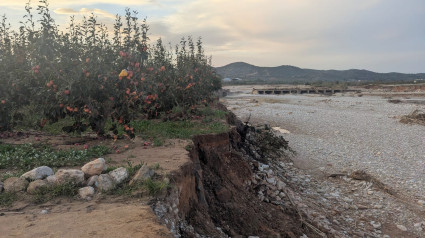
(415, 117)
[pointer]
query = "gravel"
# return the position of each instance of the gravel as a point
(345, 133)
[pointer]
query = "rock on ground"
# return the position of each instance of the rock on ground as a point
(119, 175)
(105, 182)
(70, 175)
(401, 227)
(94, 167)
(86, 192)
(92, 180)
(36, 185)
(143, 173)
(52, 179)
(15, 184)
(38, 173)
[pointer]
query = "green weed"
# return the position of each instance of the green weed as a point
(154, 187)
(28, 156)
(7, 199)
(48, 193)
(10, 174)
(159, 131)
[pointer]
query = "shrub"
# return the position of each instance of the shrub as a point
(92, 77)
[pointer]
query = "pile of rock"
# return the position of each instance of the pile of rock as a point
(269, 187)
(90, 177)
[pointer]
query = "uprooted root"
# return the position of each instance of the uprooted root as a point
(362, 175)
(415, 117)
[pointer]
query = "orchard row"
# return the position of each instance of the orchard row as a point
(91, 76)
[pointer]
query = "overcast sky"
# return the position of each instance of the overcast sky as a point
(377, 35)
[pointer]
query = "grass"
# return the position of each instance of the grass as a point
(7, 199)
(10, 174)
(154, 187)
(124, 189)
(28, 156)
(48, 193)
(210, 114)
(159, 131)
(56, 128)
(155, 166)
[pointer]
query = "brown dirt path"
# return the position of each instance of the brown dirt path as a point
(84, 219)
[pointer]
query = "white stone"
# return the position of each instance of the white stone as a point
(401, 227)
(38, 173)
(36, 185)
(421, 202)
(70, 175)
(52, 179)
(262, 167)
(15, 184)
(271, 180)
(119, 175)
(86, 192)
(44, 212)
(375, 225)
(105, 182)
(418, 226)
(280, 185)
(92, 180)
(94, 167)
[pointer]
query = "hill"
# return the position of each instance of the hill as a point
(292, 74)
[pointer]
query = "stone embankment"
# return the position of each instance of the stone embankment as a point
(91, 178)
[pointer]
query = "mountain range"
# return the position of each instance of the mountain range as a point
(292, 74)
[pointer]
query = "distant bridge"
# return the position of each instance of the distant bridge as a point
(328, 91)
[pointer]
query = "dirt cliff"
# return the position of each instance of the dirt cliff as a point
(215, 195)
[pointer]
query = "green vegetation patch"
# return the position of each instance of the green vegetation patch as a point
(45, 194)
(28, 156)
(159, 131)
(7, 199)
(154, 187)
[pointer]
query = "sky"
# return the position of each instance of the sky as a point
(377, 35)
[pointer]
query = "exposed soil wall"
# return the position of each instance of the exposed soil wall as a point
(216, 194)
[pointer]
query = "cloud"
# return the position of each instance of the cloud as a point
(307, 33)
(84, 11)
(66, 3)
